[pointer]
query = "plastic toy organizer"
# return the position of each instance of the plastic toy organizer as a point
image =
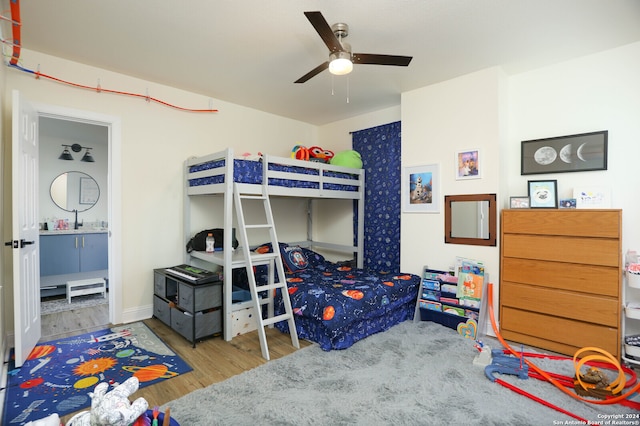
(439, 301)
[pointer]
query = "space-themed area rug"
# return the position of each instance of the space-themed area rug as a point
(59, 375)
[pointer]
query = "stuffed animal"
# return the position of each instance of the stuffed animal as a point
(349, 158)
(112, 408)
(320, 155)
(300, 152)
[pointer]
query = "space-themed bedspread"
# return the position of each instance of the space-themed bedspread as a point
(336, 305)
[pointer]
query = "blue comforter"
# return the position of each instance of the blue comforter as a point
(337, 305)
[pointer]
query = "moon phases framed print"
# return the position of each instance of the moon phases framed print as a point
(543, 194)
(573, 153)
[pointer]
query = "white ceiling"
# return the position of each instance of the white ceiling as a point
(250, 52)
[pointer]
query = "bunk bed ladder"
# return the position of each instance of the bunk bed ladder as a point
(274, 263)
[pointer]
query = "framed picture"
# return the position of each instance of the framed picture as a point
(519, 202)
(592, 197)
(543, 194)
(574, 153)
(468, 164)
(421, 189)
(567, 203)
(89, 191)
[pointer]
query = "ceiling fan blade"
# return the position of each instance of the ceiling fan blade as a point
(373, 59)
(317, 70)
(324, 30)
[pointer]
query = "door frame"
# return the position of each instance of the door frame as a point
(114, 209)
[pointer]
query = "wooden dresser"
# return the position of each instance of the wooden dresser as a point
(560, 278)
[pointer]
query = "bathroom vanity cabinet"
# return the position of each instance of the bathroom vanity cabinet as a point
(72, 255)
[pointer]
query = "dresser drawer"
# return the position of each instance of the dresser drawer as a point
(591, 279)
(581, 250)
(557, 334)
(560, 303)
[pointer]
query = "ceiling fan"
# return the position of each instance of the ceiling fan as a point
(341, 59)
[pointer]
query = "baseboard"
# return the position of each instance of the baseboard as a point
(137, 314)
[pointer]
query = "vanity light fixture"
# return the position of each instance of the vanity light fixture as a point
(88, 157)
(76, 147)
(66, 155)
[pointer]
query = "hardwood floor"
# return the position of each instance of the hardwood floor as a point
(213, 360)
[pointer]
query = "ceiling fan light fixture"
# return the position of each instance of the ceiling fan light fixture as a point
(340, 63)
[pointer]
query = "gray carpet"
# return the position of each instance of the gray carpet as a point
(55, 306)
(413, 374)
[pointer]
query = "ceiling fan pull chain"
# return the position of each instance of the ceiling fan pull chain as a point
(347, 89)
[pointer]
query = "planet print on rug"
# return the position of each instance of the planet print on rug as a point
(59, 375)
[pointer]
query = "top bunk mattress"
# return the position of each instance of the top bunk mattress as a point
(252, 172)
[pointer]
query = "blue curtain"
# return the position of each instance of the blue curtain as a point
(380, 149)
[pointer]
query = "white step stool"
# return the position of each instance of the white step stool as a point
(88, 286)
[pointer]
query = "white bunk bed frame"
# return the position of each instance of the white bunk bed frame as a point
(230, 259)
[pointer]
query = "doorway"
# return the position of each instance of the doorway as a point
(73, 207)
(100, 136)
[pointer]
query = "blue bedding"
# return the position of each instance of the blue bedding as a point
(249, 171)
(337, 305)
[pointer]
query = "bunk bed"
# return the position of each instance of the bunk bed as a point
(215, 174)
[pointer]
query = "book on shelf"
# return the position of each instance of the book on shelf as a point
(470, 279)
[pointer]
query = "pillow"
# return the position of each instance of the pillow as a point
(349, 158)
(315, 259)
(293, 257)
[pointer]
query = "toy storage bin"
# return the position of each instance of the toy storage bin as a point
(208, 323)
(161, 310)
(199, 298)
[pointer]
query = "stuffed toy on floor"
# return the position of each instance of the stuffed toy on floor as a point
(112, 408)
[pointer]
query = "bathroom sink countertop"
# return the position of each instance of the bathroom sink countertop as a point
(80, 230)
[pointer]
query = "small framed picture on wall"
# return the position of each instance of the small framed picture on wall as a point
(468, 164)
(543, 194)
(421, 189)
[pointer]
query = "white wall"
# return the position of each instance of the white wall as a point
(596, 92)
(155, 142)
(437, 122)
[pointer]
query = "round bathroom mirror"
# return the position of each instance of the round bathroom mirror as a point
(74, 191)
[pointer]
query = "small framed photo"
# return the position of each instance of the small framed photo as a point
(421, 189)
(543, 194)
(568, 203)
(468, 164)
(519, 202)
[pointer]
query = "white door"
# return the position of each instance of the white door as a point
(25, 228)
